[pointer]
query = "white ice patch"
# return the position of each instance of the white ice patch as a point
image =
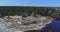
(19, 22)
(2, 26)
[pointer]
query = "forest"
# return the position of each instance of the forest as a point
(27, 10)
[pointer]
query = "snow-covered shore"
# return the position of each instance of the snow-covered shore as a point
(15, 21)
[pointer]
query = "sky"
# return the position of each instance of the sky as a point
(53, 3)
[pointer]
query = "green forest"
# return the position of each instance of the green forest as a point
(25, 10)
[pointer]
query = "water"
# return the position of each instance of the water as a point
(53, 27)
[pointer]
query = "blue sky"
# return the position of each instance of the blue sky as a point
(49, 3)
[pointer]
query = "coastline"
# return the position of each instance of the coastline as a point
(9, 23)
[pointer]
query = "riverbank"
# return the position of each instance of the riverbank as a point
(27, 23)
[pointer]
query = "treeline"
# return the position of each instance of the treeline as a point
(20, 10)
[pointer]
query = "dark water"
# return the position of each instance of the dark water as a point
(53, 27)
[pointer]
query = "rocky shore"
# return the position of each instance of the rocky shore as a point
(25, 24)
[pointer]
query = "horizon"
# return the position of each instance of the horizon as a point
(32, 6)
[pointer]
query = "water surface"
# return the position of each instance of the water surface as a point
(53, 27)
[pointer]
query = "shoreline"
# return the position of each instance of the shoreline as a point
(30, 19)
